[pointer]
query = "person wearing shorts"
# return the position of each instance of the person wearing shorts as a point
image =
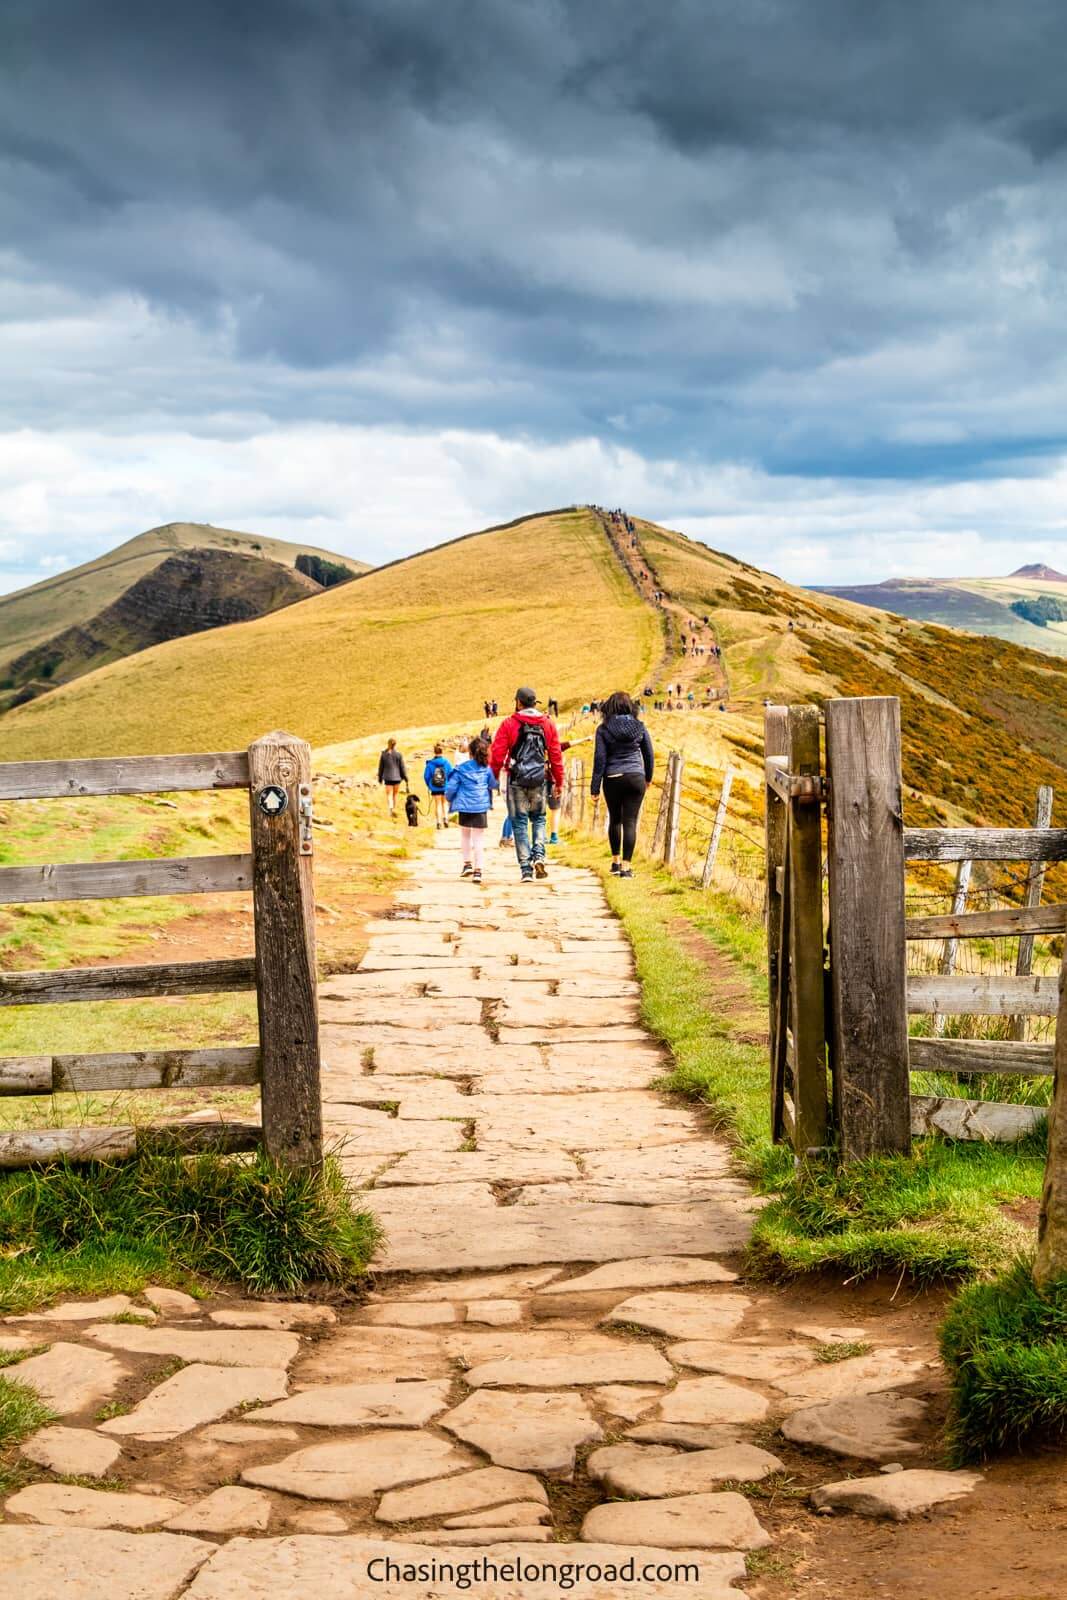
(469, 791)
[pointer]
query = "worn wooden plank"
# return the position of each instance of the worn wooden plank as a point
(776, 743)
(804, 859)
(717, 827)
(674, 812)
(1050, 1264)
(110, 880)
(950, 948)
(33, 1146)
(973, 1057)
(127, 983)
(283, 902)
(982, 995)
(138, 1069)
(1035, 885)
(985, 844)
(47, 780)
(866, 884)
(659, 833)
(989, 924)
(992, 1121)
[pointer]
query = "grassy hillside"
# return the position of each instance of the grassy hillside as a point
(422, 641)
(30, 616)
(981, 605)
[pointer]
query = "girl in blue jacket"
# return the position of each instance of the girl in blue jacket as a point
(470, 794)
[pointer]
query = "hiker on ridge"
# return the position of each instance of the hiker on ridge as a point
(525, 744)
(392, 772)
(623, 764)
(435, 775)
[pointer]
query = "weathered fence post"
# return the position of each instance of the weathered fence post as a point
(716, 832)
(670, 846)
(660, 830)
(1051, 1261)
(283, 899)
(1035, 884)
(868, 960)
(807, 1012)
(776, 743)
(579, 784)
(951, 946)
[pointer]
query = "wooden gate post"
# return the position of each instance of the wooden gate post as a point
(1051, 1260)
(670, 844)
(283, 899)
(1035, 885)
(776, 743)
(660, 831)
(868, 954)
(807, 1012)
(716, 832)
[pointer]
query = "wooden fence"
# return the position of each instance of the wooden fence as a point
(841, 1055)
(277, 871)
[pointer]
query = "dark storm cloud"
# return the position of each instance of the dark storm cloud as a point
(803, 233)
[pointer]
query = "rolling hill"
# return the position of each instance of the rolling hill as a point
(981, 605)
(423, 640)
(31, 617)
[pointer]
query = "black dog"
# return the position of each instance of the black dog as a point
(411, 808)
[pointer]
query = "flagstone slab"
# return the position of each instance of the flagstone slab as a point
(360, 1405)
(230, 1509)
(685, 1522)
(247, 1433)
(872, 1427)
(195, 1395)
(570, 1012)
(358, 1006)
(471, 1537)
(273, 1314)
(68, 1504)
(410, 1313)
(617, 1033)
(71, 1377)
(472, 1346)
(714, 1400)
(377, 1133)
(686, 1435)
(694, 1158)
(495, 1313)
(595, 1121)
(249, 1347)
(531, 1432)
(317, 1519)
(366, 1355)
(490, 1285)
(527, 1235)
(654, 1472)
(173, 1302)
(267, 1569)
(522, 1514)
(412, 1201)
(896, 1495)
(645, 1272)
(626, 1400)
(354, 1469)
(739, 1359)
(682, 1315)
(481, 1166)
(87, 1564)
(551, 1077)
(470, 1491)
(82, 1310)
(419, 1099)
(626, 1364)
(72, 1452)
(872, 1374)
(624, 1191)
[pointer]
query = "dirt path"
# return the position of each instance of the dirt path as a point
(558, 1360)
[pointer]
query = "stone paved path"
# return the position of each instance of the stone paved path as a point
(555, 1366)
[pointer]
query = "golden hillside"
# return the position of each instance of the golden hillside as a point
(419, 642)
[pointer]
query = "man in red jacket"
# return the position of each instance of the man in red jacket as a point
(525, 743)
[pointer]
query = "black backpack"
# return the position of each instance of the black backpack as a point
(438, 777)
(529, 754)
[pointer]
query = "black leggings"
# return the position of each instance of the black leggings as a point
(624, 796)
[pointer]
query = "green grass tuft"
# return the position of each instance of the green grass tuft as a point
(842, 1350)
(119, 1225)
(22, 1412)
(1005, 1347)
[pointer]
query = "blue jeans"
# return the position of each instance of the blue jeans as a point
(526, 808)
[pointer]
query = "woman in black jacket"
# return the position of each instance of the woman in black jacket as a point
(623, 765)
(392, 772)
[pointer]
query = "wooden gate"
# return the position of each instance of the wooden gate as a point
(840, 995)
(277, 872)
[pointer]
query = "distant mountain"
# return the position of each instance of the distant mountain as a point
(182, 578)
(1038, 569)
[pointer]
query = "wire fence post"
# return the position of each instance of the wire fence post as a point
(670, 847)
(1035, 885)
(951, 946)
(716, 832)
(578, 778)
(660, 831)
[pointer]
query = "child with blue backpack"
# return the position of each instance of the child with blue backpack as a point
(469, 791)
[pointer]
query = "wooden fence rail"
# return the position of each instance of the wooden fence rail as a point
(276, 771)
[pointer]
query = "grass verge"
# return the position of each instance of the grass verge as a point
(116, 1226)
(1005, 1348)
(937, 1215)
